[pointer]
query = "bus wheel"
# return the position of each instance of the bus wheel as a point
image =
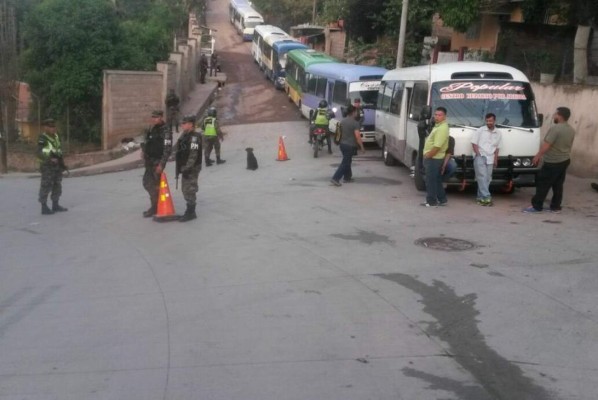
(418, 176)
(386, 156)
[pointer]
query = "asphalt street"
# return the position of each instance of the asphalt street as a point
(288, 288)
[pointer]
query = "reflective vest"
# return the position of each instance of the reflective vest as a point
(321, 116)
(51, 146)
(209, 126)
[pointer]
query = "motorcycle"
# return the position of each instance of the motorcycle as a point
(319, 136)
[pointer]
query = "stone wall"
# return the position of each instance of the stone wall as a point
(582, 101)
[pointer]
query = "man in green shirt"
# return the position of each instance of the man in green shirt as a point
(434, 151)
(555, 152)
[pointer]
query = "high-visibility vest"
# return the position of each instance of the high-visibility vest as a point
(209, 126)
(52, 145)
(321, 116)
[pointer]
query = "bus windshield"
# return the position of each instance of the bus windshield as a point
(467, 102)
(253, 24)
(366, 92)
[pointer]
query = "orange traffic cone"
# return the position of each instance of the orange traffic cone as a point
(165, 210)
(282, 153)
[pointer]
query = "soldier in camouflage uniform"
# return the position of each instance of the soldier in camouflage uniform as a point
(155, 153)
(51, 166)
(188, 164)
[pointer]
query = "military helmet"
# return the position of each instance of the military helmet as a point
(323, 104)
(212, 112)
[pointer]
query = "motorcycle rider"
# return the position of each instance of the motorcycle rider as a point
(320, 118)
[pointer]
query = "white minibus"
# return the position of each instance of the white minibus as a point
(468, 91)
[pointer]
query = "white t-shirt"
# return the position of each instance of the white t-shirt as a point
(487, 141)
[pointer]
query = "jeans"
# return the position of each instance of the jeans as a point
(344, 170)
(483, 176)
(551, 176)
(449, 171)
(434, 187)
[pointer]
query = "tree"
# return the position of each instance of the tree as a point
(69, 43)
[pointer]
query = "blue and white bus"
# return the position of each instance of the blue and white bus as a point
(260, 34)
(274, 58)
(468, 90)
(340, 85)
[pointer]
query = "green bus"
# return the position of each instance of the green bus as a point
(297, 61)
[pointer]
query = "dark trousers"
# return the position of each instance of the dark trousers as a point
(211, 142)
(551, 176)
(51, 182)
(151, 181)
(189, 186)
(434, 188)
(344, 170)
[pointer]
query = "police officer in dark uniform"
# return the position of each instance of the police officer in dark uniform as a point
(51, 165)
(155, 153)
(172, 110)
(188, 164)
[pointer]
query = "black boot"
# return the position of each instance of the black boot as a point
(220, 160)
(46, 210)
(209, 162)
(189, 213)
(57, 207)
(150, 211)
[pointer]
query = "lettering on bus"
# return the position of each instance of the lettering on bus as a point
(489, 91)
(364, 85)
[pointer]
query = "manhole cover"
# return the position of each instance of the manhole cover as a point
(445, 244)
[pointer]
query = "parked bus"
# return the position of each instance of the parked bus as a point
(233, 8)
(340, 85)
(275, 57)
(260, 33)
(249, 19)
(297, 61)
(468, 90)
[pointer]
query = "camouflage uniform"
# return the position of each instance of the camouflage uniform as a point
(51, 166)
(172, 110)
(156, 150)
(188, 164)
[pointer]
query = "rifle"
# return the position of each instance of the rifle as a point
(61, 163)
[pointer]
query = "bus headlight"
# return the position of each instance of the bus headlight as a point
(517, 162)
(526, 162)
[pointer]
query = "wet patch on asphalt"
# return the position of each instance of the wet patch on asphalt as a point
(456, 325)
(366, 237)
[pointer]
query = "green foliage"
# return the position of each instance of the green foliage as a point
(70, 42)
(459, 14)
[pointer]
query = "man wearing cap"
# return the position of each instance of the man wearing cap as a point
(51, 165)
(155, 153)
(188, 164)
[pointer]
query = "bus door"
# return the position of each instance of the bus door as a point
(418, 99)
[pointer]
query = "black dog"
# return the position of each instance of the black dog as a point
(251, 160)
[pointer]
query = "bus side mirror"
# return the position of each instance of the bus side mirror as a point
(311, 114)
(425, 113)
(540, 119)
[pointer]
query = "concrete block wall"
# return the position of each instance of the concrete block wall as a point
(129, 98)
(581, 100)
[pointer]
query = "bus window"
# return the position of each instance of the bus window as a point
(321, 87)
(419, 99)
(385, 95)
(395, 102)
(339, 94)
(312, 83)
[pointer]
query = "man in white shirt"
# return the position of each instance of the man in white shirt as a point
(486, 142)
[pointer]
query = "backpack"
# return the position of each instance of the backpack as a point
(338, 134)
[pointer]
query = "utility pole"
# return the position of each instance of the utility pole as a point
(402, 30)
(8, 79)
(313, 13)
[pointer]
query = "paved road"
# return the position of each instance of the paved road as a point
(288, 288)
